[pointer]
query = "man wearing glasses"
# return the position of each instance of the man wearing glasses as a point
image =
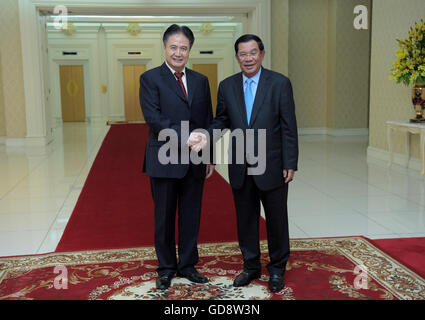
(258, 99)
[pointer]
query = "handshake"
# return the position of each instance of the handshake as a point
(197, 141)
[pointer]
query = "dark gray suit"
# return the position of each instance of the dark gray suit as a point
(273, 110)
(177, 185)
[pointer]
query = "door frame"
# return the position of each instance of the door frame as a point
(57, 85)
(129, 62)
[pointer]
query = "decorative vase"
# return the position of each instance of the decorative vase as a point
(418, 99)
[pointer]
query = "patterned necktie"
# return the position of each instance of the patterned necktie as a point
(179, 76)
(249, 99)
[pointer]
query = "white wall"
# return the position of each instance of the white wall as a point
(391, 20)
(103, 50)
(256, 15)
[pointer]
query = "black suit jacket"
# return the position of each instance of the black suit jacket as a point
(273, 110)
(164, 106)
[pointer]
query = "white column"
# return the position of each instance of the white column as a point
(103, 74)
(260, 25)
(37, 131)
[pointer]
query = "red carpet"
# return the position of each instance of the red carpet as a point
(115, 208)
(409, 251)
(318, 269)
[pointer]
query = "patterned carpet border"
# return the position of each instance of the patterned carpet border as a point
(399, 280)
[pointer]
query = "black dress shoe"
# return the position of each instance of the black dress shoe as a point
(193, 276)
(276, 283)
(164, 282)
(245, 278)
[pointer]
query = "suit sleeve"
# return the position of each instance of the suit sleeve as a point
(210, 111)
(209, 119)
(150, 104)
(288, 124)
(221, 120)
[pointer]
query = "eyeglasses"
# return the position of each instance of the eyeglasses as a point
(244, 55)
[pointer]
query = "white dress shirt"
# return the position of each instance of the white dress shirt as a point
(183, 78)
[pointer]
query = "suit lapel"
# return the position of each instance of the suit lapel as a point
(240, 98)
(259, 95)
(171, 81)
(191, 85)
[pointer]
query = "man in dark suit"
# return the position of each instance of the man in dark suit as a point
(253, 100)
(171, 95)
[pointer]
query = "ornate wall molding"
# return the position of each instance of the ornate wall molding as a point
(134, 29)
(70, 29)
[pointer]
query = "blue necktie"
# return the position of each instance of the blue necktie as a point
(249, 99)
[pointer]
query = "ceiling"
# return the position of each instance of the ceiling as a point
(204, 11)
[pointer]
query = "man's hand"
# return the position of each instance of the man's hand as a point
(210, 170)
(197, 141)
(288, 174)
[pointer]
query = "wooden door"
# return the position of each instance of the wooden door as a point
(131, 76)
(72, 93)
(210, 70)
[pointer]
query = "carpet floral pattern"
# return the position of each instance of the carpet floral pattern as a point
(318, 269)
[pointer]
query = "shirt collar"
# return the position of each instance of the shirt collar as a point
(173, 71)
(255, 78)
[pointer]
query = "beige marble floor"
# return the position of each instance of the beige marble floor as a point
(336, 192)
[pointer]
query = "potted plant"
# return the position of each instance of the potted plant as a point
(409, 68)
